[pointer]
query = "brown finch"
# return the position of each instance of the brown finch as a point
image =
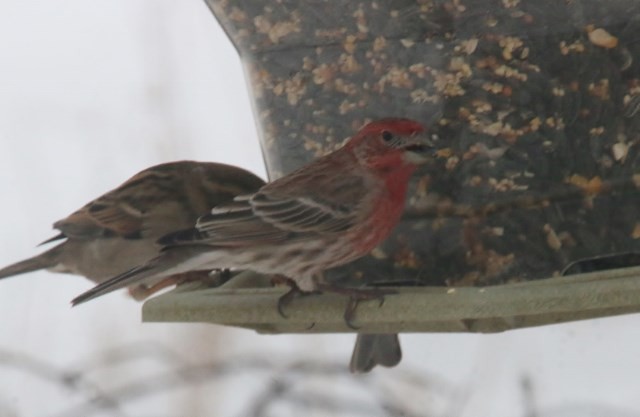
(118, 231)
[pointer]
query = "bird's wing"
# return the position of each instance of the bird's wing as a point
(318, 200)
(160, 199)
(102, 218)
(307, 214)
(294, 209)
(120, 212)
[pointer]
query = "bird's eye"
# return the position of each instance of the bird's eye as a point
(387, 136)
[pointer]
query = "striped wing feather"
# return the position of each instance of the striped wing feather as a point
(292, 209)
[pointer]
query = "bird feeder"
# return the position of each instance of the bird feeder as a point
(531, 216)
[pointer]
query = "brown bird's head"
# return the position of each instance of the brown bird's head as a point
(392, 142)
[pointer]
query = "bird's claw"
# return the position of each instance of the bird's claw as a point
(288, 297)
(356, 295)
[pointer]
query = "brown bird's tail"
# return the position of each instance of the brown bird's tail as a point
(45, 260)
(375, 349)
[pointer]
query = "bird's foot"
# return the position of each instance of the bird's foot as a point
(356, 295)
(288, 297)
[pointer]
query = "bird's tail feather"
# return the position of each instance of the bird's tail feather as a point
(170, 262)
(375, 349)
(45, 260)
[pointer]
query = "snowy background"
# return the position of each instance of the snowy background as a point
(92, 92)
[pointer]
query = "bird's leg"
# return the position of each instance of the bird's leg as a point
(285, 299)
(288, 297)
(356, 295)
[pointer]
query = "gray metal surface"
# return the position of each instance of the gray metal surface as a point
(243, 303)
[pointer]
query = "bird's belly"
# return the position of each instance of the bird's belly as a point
(300, 261)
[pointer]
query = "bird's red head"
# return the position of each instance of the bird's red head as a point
(392, 142)
(396, 125)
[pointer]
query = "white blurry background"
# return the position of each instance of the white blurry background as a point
(92, 92)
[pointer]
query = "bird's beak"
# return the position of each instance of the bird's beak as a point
(419, 148)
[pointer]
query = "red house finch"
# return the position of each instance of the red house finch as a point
(119, 230)
(330, 212)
